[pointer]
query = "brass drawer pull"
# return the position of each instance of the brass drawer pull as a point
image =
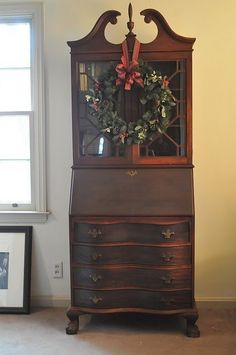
(167, 301)
(96, 299)
(168, 234)
(132, 173)
(167, 258)
(95, 277)
(94, 233)
(96, 256)
(167, 280)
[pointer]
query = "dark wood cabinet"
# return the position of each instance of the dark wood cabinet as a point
(132, 207)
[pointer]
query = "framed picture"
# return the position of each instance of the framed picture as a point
(15, 268)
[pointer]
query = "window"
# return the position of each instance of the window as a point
(22, 154)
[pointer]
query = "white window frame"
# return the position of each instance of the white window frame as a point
(37, 211)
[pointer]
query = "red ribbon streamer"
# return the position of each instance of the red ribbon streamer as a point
(127, 71)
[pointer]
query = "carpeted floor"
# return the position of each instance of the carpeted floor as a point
(43, 333)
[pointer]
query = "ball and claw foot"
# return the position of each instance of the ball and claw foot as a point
(72, 328)
(192, 330)
(73, 325)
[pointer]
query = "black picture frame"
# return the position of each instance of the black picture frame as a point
(15, 265)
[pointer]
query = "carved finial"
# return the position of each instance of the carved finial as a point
(130, 24)
(130, 10)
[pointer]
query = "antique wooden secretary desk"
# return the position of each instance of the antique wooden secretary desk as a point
(132, 208)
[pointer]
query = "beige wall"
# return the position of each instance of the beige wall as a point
(212, 22)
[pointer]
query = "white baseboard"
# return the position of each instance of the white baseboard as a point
(49, 301)
(216, 302)
(202, 302)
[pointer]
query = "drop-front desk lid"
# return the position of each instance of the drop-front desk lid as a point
(120, 192)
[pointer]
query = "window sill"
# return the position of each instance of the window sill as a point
(23, 217)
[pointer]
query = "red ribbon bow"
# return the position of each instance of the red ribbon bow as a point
(127, 71)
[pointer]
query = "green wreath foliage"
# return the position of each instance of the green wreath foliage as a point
(155, 95)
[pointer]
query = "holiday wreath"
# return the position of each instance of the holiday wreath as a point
(153, 91)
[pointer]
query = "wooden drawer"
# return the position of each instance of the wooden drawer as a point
(131, 254)
(132, 299)
(130, 277)
(132, 232)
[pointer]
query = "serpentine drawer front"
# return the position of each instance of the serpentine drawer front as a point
(132, 277)
(136, 232)
(131, 254)
(132, 299)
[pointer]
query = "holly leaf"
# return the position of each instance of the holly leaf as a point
(123, 129)
(143, 100)
(163, 111)
(137, 128)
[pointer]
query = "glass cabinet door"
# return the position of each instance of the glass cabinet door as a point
(93, 143)
(173, 141)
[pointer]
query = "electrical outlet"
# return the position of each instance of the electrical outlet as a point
(58, 270)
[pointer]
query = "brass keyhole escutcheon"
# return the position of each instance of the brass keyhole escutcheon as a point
(132, 173)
